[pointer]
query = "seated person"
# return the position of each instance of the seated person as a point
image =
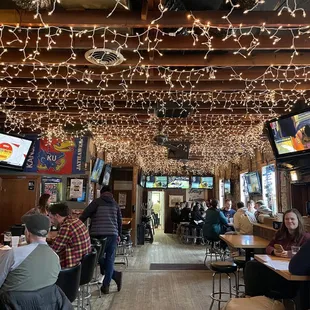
(251, 206)
(31, 267)
(72, 241)
(215, 222)
(196, 217)
(243, 220)
(185, 212)
(262, 211)
(176, 213)
(259, 279)
(227, 210)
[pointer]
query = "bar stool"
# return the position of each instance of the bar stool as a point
(240, 262)
(69, 281)
(220, 268)
(88, 263)
(213, 250)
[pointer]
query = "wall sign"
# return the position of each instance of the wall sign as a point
(31, 185)
(76, 188)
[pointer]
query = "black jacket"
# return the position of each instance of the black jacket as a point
(47, 298)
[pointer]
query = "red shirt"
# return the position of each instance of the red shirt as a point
(72, 242)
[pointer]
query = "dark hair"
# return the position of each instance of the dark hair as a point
(105, 188)
(283, 232)
(43, 206)
(240, 205)
(214, 203)
(196, 208)
(61, 209)
(226, 200)
(250, 202)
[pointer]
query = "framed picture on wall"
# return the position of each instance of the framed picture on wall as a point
(173, 199)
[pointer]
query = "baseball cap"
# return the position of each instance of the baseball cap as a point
(37, 224)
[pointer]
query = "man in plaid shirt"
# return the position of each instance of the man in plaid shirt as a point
(72, 241)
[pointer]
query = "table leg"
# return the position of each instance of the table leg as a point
(248, 253)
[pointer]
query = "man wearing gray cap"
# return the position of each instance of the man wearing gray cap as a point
(31, 267)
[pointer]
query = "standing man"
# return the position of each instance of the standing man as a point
(72, 241)
(156, 210)
(106, 222)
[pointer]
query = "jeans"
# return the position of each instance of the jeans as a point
(107, 260)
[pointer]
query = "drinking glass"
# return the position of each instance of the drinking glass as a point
(295, 249)
(15, 241)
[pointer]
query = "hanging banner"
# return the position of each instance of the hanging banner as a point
(58, 157)
(76, 188)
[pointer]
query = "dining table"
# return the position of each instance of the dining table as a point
(246, 242)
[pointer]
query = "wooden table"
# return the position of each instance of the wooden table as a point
(274, 262)
(247, 242)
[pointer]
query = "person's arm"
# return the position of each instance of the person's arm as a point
(270, 247)
(119, 220)
(237, 219)
(6, 262)
(223, 219)
(62, 239)
(300, 262)
(89, 211)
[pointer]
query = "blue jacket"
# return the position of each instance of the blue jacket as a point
(214, 222)
(105, 215)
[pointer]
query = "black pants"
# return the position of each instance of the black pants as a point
(259, 280)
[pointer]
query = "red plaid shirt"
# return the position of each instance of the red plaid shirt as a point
(72, 242)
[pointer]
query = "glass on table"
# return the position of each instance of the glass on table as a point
(15, 241)
(295, 249)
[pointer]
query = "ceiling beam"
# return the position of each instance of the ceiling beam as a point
(171, 19)
(156, 86)
(184, 43)
(98, 74)
(197, 60)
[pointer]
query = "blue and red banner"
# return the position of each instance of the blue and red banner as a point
(57, 157)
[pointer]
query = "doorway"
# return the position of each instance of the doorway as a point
(300, 196)
(157, 200)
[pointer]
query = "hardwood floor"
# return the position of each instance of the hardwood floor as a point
(160, 290)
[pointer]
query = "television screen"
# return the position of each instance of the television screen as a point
(290, 134)
(253, 183)
(106, 175)
(227, 187)
(97, 170)
(13, 151)
(178, 182)
(153, 181)
(142, 179)
(202, 182)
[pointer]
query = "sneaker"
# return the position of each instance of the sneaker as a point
(105, 289)
(118, 278)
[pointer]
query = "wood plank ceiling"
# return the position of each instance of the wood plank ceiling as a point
(221, 71)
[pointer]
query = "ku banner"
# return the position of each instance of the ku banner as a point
(57, 157)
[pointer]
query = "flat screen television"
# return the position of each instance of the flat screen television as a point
(106, 175)
(202, 182)
(227, 187)
(97, 170)
(178, 182)
(253, 183)
(289, 135)
(142, 179)
(153, 181)
(14, 151)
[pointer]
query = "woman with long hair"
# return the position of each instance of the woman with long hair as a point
(291, 233)
(42, 208)
(259, 279)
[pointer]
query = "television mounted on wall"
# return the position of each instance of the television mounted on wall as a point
(201, 182)
(14, 151)
(289, 134)
(154, 181)
(253, 183)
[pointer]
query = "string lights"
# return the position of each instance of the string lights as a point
(61, 99)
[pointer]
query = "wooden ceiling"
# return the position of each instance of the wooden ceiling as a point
(226, 70)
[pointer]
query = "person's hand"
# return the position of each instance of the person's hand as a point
(281, 253)
(118, 239)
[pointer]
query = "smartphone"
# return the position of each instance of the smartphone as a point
(278, 248)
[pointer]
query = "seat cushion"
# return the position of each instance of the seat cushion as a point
(240, 261)
(257, 303)
(225, 267)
